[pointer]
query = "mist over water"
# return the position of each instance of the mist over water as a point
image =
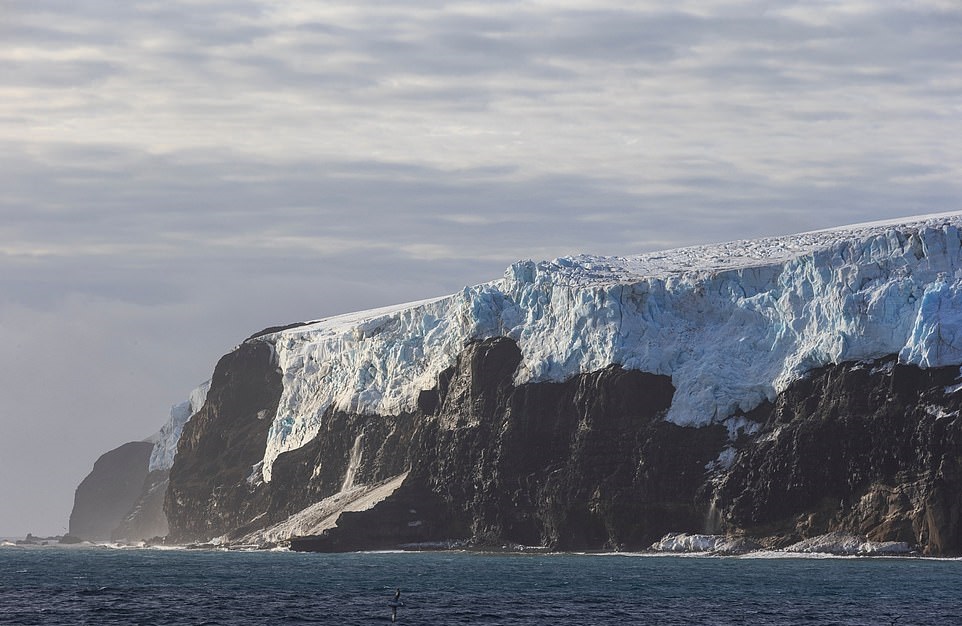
(54, 586)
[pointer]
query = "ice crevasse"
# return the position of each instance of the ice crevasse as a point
(732, 324)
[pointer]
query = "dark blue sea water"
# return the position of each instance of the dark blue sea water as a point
(103, 586)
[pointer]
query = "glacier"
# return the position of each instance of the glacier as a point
(732, 324)
(165, 441)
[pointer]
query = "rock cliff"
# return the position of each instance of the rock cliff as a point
(772, 390)
(146, 519)
(105, 497)
(869, 448)
(211, 488)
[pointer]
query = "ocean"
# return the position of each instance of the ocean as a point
(102, 586)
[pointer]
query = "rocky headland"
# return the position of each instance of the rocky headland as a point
(734, 397)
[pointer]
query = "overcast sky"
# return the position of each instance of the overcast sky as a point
(175, 176)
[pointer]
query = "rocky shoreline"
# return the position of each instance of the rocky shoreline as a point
(834, 544)
(830, 544)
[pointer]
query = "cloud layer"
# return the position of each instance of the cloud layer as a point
(177, 175)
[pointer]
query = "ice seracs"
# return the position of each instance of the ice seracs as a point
(731, 324)
(165, 441)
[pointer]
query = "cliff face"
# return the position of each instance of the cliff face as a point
(146, 519)
(873, 449)
(210, 488)
(105, 497)
(581, 464)
(778, 389)
(126, 490)
(586, 463)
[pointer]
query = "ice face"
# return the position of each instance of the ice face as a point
(165, 446)
(731, 324)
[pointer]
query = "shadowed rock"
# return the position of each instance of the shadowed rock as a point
(105, 497)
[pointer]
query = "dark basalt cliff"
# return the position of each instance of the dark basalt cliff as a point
(105, 497)
(209, 491)
(870, 449)
(581, 464)
(588, 463)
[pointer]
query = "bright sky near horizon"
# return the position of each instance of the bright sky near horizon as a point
(178, 175)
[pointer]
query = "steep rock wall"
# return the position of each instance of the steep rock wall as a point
(146, 519)
(586, 463)
(209, 491)
(873, 449)
(869, 448)
(105, 497)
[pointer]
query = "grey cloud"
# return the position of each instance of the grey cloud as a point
(892, 45)
(58, 74)
(133, 201)
(81, 18)
(444, 42)
(224, 213)
(524, 44)
(47, 36)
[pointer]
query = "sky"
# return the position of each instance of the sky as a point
(175, 176)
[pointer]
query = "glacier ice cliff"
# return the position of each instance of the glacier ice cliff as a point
(731, 324)
(165, 441)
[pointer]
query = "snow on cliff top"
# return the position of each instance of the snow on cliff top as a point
(731, 324)
(713, 258)
(587, 269)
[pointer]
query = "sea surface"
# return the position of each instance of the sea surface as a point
(101, 586)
